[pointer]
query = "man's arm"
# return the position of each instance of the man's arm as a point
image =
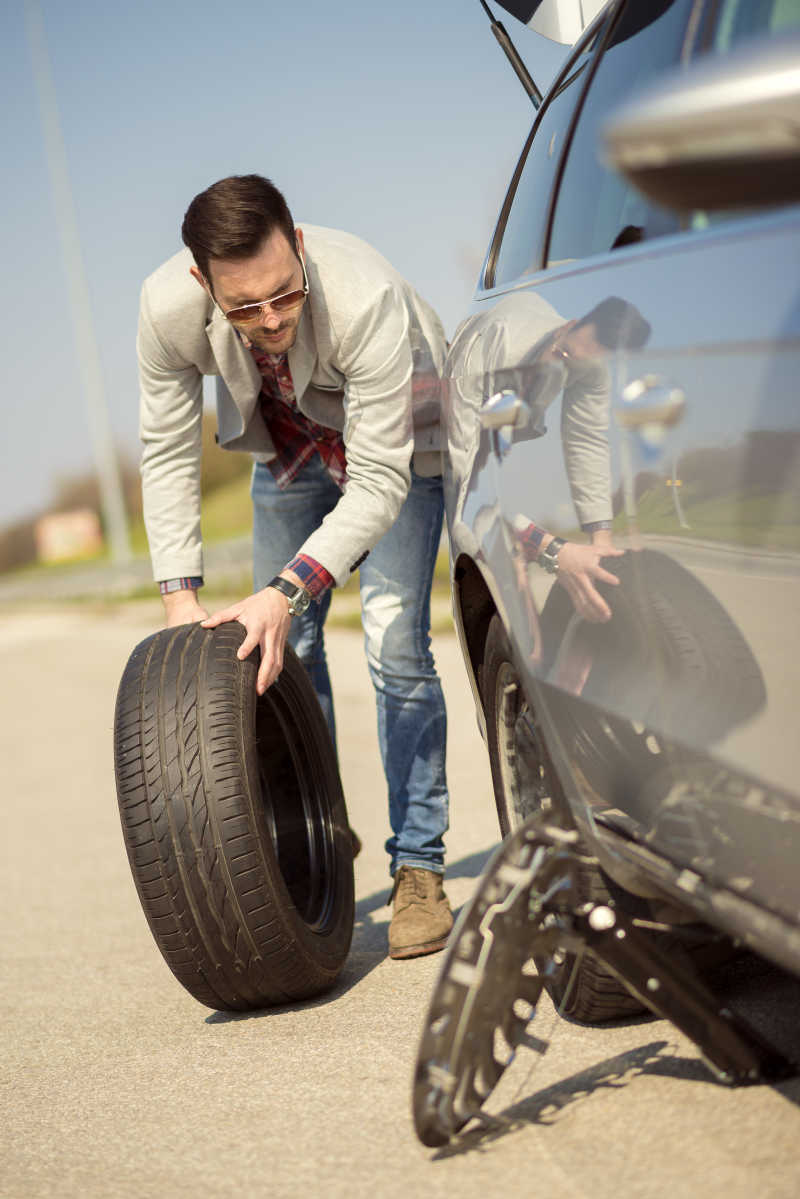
(376, 361)
(579, 566)
(584, 434)
(170, 428)
(181, 604)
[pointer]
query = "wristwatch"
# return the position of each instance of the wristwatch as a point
(298, 597)
(548, 558)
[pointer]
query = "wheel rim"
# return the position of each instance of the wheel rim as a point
(297, 810)
(522, 774)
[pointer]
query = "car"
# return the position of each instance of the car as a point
(622, 483)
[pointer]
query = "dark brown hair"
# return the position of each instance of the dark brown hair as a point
(618, 324)
(232, 219)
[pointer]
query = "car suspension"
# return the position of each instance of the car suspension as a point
(488, 988)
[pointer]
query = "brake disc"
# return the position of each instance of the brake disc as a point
(488, 988)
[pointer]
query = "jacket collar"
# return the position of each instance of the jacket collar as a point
(236, 365)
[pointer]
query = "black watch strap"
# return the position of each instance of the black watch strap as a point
(298, 597)
(548, 558)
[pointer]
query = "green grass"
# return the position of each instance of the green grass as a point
(758, 521)
(227, 512)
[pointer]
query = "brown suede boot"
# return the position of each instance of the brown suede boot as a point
(421, 920)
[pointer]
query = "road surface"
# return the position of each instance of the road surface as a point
(117, 1083)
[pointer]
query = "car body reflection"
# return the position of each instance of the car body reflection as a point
(684, 435)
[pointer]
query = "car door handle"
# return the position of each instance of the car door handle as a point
(650, 401)
(503, 410)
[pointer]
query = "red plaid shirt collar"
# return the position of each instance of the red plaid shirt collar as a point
(296, 438)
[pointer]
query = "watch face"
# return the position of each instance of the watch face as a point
(299, 601)
(549, 557)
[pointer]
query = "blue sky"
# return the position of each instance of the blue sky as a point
(400, 123)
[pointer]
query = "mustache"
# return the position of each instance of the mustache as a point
(280, 329)
(271, 332)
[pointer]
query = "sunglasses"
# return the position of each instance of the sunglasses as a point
(283, 303)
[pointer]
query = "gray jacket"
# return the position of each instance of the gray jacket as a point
(364, 334)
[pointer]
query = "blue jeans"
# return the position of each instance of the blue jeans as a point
(395, 582)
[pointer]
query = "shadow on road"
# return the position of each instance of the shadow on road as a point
(368, 948)
(546, 1106)
(758, 991)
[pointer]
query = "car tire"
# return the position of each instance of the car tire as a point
(234, 820)
(671, 656)
(524, 781)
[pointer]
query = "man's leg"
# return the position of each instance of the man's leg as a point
(412, 723)
(282, 520)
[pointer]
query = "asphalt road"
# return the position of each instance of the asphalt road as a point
(117, 1083)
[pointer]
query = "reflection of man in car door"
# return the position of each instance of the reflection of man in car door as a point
(527, 347)
(571, 361)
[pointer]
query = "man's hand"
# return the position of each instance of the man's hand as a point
(578, 569)
(182, 607)
(266, 617)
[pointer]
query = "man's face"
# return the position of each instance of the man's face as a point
(273, 271)
(582, 343)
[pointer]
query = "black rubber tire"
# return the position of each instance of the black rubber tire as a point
(524, 780)
(671, 657)
(234, 820)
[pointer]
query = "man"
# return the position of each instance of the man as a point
(327, 364)
(522, 345)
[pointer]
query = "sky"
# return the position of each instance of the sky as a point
(400, 123)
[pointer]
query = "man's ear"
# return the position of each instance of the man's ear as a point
(195, 273)
(299, 236)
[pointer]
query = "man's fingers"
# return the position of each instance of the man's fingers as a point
(251, 641)
(268, 672)
(605, 576)
(220, 617)
(598, 609)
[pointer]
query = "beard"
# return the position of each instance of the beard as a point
(283, 338)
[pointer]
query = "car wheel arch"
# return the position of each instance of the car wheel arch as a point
(473, 608)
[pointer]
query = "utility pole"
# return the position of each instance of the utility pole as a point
(106, 465)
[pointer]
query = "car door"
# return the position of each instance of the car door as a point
(647, 367)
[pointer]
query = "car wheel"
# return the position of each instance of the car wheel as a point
(524, 782)
(233, 819)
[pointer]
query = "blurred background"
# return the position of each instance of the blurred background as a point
(400, 123)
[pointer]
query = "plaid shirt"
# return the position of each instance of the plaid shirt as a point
(295, 437)
(296, 440)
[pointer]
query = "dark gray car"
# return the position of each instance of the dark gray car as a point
(623, 504)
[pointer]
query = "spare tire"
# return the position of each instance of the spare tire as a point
(234, 820)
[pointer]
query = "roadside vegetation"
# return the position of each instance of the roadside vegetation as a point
(227, 516)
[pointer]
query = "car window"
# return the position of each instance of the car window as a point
(597, 210)
(730, 23)
(522, 243)
(741, 19)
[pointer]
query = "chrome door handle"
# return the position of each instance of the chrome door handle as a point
(504, 410)
(650, 401)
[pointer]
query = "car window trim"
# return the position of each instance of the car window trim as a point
(689, 36)
(697, 26)
(565, 76)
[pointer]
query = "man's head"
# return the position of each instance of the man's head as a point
(613, 324)
(243, 240)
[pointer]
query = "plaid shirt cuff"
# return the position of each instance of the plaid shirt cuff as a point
(315, 578)
(187, 583)
(530, 541)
